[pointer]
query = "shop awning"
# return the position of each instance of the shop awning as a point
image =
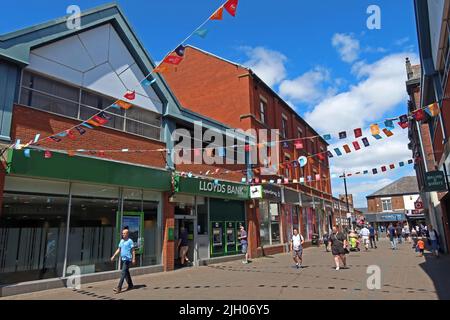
(384, 217)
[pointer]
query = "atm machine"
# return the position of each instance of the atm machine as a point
(231, 237)
(217, 239)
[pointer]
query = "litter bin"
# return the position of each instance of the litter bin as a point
(315, 239)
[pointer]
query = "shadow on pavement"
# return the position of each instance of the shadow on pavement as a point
(437, 270)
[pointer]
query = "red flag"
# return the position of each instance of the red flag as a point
(404, 125)
(419, 115)
(100, 120)
(130, 95)
(298, 144)
(71, 135)
(231, 7)
(383, 168)
(101, 153)
(317, 177)
(320, 156)
(47, 154)
(173, 60)
(356, 145)
(218, 15)
(392, 166)
(358, 133)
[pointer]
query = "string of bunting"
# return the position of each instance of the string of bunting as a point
(379, 170)
(174, 57)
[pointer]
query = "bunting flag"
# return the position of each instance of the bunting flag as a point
(197, 153)
(130, 95)
(309, 178)
(295, 163)
(93, 122)
(47, 154)
(374, 171)
(358, 133)
(71, 135)
(419, 115)
(389, 124)
(347, 148)
(356, 145)
(383, 168)
(401, 164)
(278, 181)
(71, 153)
(36, 138)
(404, 118)
(392, 166)
(342, 135)
(374, 129)
(80, 130)
(202, 33)
(175, 60)
(302, 180)
(100, 120)
(101, 153)
(62, 134)
(366, 172)
(161, 69)
(403, 125)
(338, 152)
(366, 142)
(285, 145)
(378, 137)
(231, 7)
(286, 180)
(180, 50)
(26, 153)
(320, 156)
(327, 137)
(317, 177)
(433, 109)
(410, 161)
(218, 15)
(330, 155)
(124, 105)
(388, 132)
(54, 139)
(298, 144)
(221, 152)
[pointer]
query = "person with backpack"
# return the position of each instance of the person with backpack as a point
(297, 242)
(326, 240)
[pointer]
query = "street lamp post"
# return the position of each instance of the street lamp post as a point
(346, 199)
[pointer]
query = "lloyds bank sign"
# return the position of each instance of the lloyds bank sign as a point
(211, 188)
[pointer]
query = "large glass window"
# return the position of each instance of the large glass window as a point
(93, 227)
(32, 236)
(269, 220)
(264, 232)
(152, 234)
(275, 222)
(53, 96)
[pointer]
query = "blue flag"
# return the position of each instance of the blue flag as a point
(201, 32)
(401, 164)
(377, 136)
(389, 124)
(26, 153)
(327, 137)
(338, 152)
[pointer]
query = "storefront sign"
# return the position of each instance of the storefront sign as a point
(272, 193)
(435, 181)
(220, 189)
(256, 192)
(291, 196)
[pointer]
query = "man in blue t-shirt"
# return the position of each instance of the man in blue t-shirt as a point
(244, 242)
(127, 257)
(372, 237)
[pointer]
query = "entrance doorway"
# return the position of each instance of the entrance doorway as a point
(186, 224)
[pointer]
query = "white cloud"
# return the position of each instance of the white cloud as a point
(402, 41)
(308, 87)
(347, 46)
(381, 89)
(267, 64)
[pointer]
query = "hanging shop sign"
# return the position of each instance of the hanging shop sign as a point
(435, 181)
(272, 193)
(214, 188)
(256, 192)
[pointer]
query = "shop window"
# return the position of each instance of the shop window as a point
(93, 228)
(386, 204)
(275, 223)
(33, 232)
(264, 231)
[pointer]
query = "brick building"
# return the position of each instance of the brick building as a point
(429, 137)
(234, 95)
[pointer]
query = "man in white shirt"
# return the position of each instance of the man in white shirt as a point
(365, 233)
(297, 248)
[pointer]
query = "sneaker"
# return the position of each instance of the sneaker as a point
(117, 290)
(297, 266)
(337, 268)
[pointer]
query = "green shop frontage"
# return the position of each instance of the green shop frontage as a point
(212, 212)
(64, 214)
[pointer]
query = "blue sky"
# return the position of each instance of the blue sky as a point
(319, 55)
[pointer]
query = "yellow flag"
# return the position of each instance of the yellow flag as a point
(375, 129)
(434, 109)
(218, 15)
(124, 105)
(161, 69)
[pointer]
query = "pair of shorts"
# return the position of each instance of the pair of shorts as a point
(244, 248)
(298, 253)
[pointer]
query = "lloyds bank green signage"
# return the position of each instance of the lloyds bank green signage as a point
(216, 189)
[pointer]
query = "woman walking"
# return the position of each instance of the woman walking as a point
(338, 247)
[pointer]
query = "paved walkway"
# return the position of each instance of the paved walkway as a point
(404, 275)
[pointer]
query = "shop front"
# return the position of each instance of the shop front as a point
(270, 221)
(308, 217)
(216, 211)
(66, 213)
(291, 208)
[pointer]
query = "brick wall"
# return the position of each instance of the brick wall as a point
(28, 122)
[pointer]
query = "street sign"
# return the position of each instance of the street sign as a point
(435, 181)
(418, 205)
(256, 192)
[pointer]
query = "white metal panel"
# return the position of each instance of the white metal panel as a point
(96, 42)
(69, 52)
(119, 56)
(102, 79)
(55, 70)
